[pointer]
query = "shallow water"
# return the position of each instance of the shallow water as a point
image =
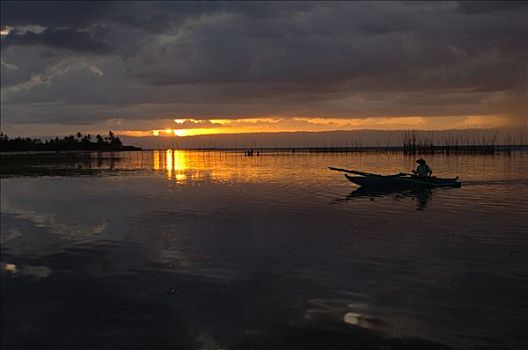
(215, 250)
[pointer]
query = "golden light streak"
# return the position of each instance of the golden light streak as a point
(180, 160)
(182, 166)
(156, 160)
(137, 133)
(330, 124)
(315, 124)
(269, 120)
(168, 163)
(176, 163)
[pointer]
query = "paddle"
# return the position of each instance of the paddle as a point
(353, 171)
(365, 173)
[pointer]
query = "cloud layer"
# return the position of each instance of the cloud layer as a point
(84, 63)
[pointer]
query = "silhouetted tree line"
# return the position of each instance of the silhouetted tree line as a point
(77, 142)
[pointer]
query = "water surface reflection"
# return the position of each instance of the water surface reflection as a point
(422, 195)
(178, 249)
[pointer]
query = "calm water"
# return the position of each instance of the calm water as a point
(194, 250)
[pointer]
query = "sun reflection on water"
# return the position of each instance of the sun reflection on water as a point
(169, 163)
(174, 162)
(181, 160)
(156, 160)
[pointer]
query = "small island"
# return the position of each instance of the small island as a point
(77, 142)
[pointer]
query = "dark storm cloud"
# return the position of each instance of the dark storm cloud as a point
(242, 58)
(387, 47)
(51, 13)
(471, 7)
(147, 15)
(70, 39)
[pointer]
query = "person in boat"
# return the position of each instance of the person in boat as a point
(422, 170)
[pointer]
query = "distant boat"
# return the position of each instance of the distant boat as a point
(398, 180)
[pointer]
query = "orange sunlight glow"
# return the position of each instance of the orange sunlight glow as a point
(193, 127)
(176, 132)
(169, 166)
(174, 162)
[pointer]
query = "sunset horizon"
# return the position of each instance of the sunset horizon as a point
(212, 127)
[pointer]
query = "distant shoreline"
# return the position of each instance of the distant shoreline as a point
(460, 149)
(72, 143)
(68, 152)
(124, 149)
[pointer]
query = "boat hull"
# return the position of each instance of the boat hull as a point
(402, 181)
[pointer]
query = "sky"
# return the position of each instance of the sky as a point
(178, 68)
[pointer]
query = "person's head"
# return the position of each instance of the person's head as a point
(420, 161)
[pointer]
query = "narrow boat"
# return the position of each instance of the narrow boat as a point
(400, 180)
